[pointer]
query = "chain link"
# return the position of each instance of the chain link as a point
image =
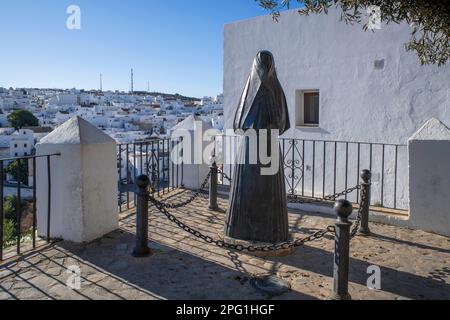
(298, 199)
(163, 206)
(191, 199)
(364, 197)
(225, 176)
(354, 231)
(357, 223)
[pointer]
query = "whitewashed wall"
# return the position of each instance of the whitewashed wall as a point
(321, 52)
(429, 151)
(83, 183)
(357, 101)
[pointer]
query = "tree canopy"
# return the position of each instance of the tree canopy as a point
(19, 172)
(429, 20)
(22, 118)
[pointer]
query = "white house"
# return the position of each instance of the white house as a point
(219, 99)
(3, 120)
(62, 116)
(65, 99)
(5, 138)
(206, 100)
(348, 92)
(22, 143)
(369, 87)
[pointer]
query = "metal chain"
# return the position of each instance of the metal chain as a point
(364, 197)
(298, 199)
(191, 199)
(356, 225)
(163, 206)
(291, 198)
(224, 175)
(222, 244)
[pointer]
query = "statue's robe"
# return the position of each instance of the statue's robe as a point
(258, 205)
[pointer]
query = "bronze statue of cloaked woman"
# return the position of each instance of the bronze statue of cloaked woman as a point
(258, 206)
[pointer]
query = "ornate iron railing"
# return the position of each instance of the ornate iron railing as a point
(152, 158)
(18, 181)
(318, 168)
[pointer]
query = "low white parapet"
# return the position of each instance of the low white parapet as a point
(83, 183)
(429, 178)
(195, 170)
(429, 183)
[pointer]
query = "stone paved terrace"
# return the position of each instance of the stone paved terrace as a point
(415, 264)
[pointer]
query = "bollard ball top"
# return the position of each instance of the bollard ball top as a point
(366, 175)
(143, 181)
(343, 209)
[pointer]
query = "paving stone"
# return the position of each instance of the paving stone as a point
(119, 265)
(30, 294)
(122, 247)
(96, 277)
(159, 247)
(55, 271)
(5, 296)
(414, 264)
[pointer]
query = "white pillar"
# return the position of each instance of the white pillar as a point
(429, 178)
(83, 183)
(192, 130)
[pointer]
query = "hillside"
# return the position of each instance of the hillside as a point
(167, 95)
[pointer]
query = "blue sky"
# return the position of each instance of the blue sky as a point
(177, 45)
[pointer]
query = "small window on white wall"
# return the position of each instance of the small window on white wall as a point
(307, 108)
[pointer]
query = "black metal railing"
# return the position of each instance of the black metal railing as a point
(18, 200)
(317, 168)
(153, 158)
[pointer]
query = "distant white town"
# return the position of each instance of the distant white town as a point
(126, 117)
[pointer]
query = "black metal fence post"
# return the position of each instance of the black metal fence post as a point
(142, 196)
(1, 210)
(49, 199)
(181, 154)
(343, 210)
(19, 204)
(366, 176)
(213, 187)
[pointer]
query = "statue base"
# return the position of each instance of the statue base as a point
(261, 254)
(339, 297)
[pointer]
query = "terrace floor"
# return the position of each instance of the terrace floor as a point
(414, 264)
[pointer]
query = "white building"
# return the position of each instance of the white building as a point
(5, 138)
(62, 116)
(22, 143)
(65, 99)
(342, 84)
(3, 120)
(219, 99)
(369, 87)
(206, 100)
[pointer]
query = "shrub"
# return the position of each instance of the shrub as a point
(9, 208)
(23, 171)
(9, 232)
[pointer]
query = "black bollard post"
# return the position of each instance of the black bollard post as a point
(213, 187)
(366, 176)
(142, 249)
(343, 210)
